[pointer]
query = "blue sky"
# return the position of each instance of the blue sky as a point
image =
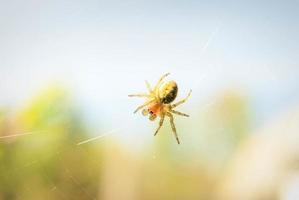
(103, 50)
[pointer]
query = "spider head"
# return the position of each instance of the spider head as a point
(152, 117)
(148, 111)
(152, 110)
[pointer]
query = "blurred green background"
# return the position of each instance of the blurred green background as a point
(67, 128)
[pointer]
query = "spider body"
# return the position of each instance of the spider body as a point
(153, 108)
(168, 92)
(158, 103)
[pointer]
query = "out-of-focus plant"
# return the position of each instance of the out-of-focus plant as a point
(48, 164)
(221, 127)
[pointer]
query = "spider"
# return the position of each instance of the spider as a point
(158, 102)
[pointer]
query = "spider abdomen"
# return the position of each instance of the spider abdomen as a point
(168, 92)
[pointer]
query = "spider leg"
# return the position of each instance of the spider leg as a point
(160, 81)
(160, 124)
(139, 95)
(179, 113)
(182, 101)
(143, 105)
(173, 127)
(148, 86)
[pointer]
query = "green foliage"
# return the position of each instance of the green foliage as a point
(48, 159)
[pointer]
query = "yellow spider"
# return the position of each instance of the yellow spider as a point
(158, 102)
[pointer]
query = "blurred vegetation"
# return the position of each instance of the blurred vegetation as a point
(47, 163)
(39, 165)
